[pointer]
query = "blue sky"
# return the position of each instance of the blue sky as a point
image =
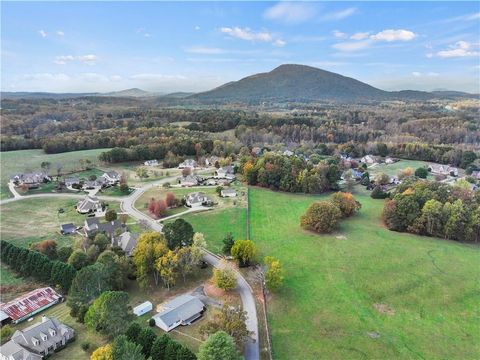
(194, 46)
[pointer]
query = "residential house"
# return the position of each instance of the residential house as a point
(151, 163)
(143, 308)
(37, 341)
(369, 159)
(356, 175)
(29, 304)
(211, 161)
(111, 177)
(111, 229)
(89, 205)
(189, 163)
(71, 181)
(126, 241)
(288, 153)
(189, 180)
(210, 182)
(440, 169)
(182, 310)
(389, 160)
(67, 229)
(32, 180)
(196, 199)
(228, 193)
(225, 172)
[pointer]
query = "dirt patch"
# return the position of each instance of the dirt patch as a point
(212, 291)
(10, 292)
(384, 309)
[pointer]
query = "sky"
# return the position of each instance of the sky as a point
(195, 46)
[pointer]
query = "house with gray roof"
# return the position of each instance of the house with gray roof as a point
(196, 199)
(226, 172)
(32, 180)
(89, 205)
(189, 180)
(228, 193)
(111, 177)
(127, 241)
(188, 163)
(183, 310)
(38, 340)
(111, 229)
(67, 229)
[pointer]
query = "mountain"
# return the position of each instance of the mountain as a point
(42, 95)
(134, 92)
(303, 83)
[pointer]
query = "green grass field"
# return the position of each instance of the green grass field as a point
(363, 292)
(13, 162)
(31, 220)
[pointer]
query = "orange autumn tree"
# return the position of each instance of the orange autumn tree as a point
(346, 203)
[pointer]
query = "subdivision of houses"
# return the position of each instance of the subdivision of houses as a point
(37, 341)
(196, 199)
(439, 169)
(29, 304)
(183, 310)
(89, 205)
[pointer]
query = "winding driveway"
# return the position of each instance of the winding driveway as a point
(127, 205)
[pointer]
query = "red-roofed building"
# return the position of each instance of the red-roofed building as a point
(29, 304)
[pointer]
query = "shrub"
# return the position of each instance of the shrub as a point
(151, 322)
(224, 279)
(321, 216)
(85, 346)
(421, 172)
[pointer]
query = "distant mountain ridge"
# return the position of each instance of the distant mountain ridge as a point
(301, 83)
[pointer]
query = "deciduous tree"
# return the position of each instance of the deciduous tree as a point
(244, 251)
(219, 346)
(321, 216)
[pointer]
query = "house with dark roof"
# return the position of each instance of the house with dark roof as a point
(183, 310)
(67, 229)
(29, 304)
(38, 340)
(111, 229)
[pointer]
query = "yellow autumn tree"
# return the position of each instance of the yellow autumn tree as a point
(151, 246)
(102, 353)
(166, 266)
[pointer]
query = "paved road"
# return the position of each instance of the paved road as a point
(127, 205)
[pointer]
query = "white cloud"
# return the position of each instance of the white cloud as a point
(339, 34)
(115, 78)
(157, 77)
(360, 36)
(416, 74)
(144, 32)
(249, 35)
(60, 33)
(197, 28)
(459, 49)
(290, 13)
(42, 33)
(45, 77)
(86, 59)
(393, 35)
(350, 46)
(339, 15)
(428, 74)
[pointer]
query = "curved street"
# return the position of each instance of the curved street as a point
(127, 205)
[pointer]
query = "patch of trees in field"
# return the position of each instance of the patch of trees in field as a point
(290, 174)
(434, 209)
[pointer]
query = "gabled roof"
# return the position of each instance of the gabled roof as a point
(196, 197)
(127, 241)
(180, 309)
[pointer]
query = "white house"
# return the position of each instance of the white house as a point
(288, 153)
(389, 160)
(228, 193)
(182, 310)
(442, 169)
(89, 205)
(143, 308)
(189, 163)
(112, 177)
(225, 172)
(369, 159)
(196, 199)
(151, 163)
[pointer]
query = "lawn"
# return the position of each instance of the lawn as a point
(40, 220)
(364, 291)
(13, 162)
(395, 168)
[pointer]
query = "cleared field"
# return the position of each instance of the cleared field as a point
(395, 168)
(30, 220)
(363, 292)
(13, 162)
